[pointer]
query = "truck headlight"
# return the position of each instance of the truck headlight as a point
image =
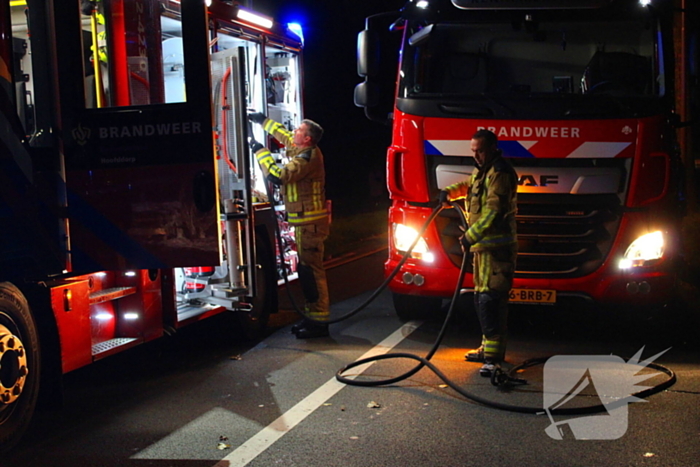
(404, 236)
(645, 248)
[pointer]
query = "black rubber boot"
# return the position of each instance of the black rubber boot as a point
(487, 370)
(476, 355)
(311, 330)
(300, 325)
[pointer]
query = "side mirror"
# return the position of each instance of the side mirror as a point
(377, 62)
(369, 96)
(367, 53)
(366, 94)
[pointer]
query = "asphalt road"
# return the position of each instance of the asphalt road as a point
(203, 398)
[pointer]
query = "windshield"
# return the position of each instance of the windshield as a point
(513, 67)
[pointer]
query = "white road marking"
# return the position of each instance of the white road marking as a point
(256, 445)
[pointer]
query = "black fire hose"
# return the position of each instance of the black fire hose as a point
(370, 299)
(425, 362)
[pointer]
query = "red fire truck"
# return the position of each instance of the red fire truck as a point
(123, 215)
(584, 98)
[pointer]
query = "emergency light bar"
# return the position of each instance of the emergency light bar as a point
(529, 4)
(254, 18)
(296, 29)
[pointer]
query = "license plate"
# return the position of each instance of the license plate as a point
(533, 296)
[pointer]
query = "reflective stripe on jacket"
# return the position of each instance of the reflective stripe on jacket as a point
(303, 178)
(491, 204)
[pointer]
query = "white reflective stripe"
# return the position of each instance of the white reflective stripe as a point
(590, 149)
(452, 147)
(463, 147)
(266, 437)
(599, 150)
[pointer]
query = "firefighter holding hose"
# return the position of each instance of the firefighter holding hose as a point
(491, 199)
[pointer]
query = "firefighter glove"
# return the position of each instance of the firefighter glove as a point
(255, 146)
(443, 197)
(257, 117)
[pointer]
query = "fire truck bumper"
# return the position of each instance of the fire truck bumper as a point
(646, 288)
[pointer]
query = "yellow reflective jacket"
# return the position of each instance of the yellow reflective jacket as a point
(303, 178)
(491, 202)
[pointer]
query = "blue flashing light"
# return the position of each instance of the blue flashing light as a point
(296, 29)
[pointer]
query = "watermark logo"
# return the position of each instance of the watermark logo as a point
(606, 377)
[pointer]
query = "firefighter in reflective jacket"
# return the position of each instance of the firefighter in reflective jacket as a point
(491, 204)
(97, 91)
(93, 8)
(302, 182)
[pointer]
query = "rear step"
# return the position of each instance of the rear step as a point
(113, 346)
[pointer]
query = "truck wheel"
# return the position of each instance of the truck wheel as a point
(410, 307)
(254, 322)
(19, 366)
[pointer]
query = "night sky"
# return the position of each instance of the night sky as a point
(354, 148)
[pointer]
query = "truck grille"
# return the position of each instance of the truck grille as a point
(559, 236)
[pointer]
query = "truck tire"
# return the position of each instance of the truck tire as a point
(410, 307)
(20, 365)
(254, 322)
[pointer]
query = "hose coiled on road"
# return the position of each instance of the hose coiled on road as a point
(499, 379)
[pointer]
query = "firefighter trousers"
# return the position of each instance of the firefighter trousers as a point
(493, 279)
(312, 274)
